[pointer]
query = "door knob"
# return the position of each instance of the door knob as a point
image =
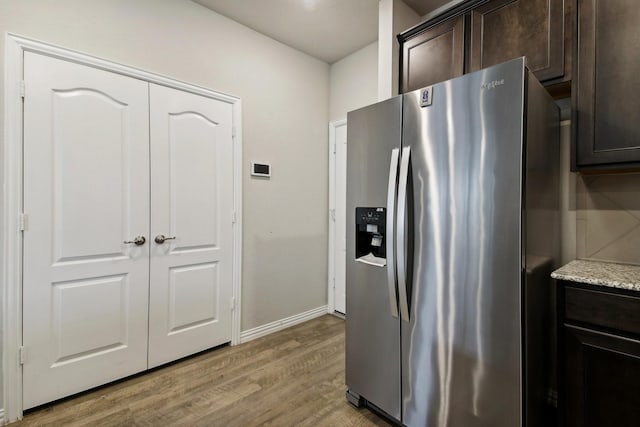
(160, 238)
(138, 241)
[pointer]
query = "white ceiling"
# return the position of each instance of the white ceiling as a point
(326, 29)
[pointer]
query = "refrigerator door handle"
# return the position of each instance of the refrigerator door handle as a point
(401, 240)
(391, 210)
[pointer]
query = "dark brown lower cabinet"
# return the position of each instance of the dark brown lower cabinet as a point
(600, 366)
(602, 378)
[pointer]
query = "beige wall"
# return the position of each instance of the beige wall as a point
(285, 113)
(353, 82)
(394, 16)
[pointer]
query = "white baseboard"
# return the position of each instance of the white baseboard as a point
(278, 325)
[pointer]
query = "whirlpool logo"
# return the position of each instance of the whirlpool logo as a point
(492, 84)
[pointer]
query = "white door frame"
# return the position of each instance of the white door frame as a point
(12, 224)
(333, 126)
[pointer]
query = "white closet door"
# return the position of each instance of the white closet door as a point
(86, 191)
(192, 205)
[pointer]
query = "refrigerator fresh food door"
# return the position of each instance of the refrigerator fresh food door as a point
(461, 359)
(372, 323)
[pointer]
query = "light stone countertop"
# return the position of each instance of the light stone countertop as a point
(623, 276)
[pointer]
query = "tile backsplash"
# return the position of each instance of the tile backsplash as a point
(608, 217)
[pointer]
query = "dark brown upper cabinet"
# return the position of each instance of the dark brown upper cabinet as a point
(606, 107)
(482, 33)
(505, 29)
(434, 55)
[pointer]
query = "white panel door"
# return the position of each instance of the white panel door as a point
(341, 218)
(192, 206)
(86, 191)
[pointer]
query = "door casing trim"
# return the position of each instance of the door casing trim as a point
(333, 126)
(12, 198)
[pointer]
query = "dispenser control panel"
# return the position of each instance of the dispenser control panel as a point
(371, 217)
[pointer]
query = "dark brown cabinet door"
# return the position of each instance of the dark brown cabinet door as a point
(607, 79)
(506, 29)
(602, 379)
(433, 56)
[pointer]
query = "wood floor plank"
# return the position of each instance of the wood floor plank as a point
(294, 377)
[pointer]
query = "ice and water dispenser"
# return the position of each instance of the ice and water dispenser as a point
(370, 236)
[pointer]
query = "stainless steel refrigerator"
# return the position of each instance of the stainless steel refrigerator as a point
(452, 231)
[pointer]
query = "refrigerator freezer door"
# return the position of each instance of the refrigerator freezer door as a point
(461, 359)
(372, 332)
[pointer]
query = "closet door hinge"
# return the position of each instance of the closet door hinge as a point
(234, 217)
(22, 89)
(232, 303)
(233, 132)
(23, 221)
(22, 355)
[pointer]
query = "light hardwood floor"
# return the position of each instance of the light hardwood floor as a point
(293, 377)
